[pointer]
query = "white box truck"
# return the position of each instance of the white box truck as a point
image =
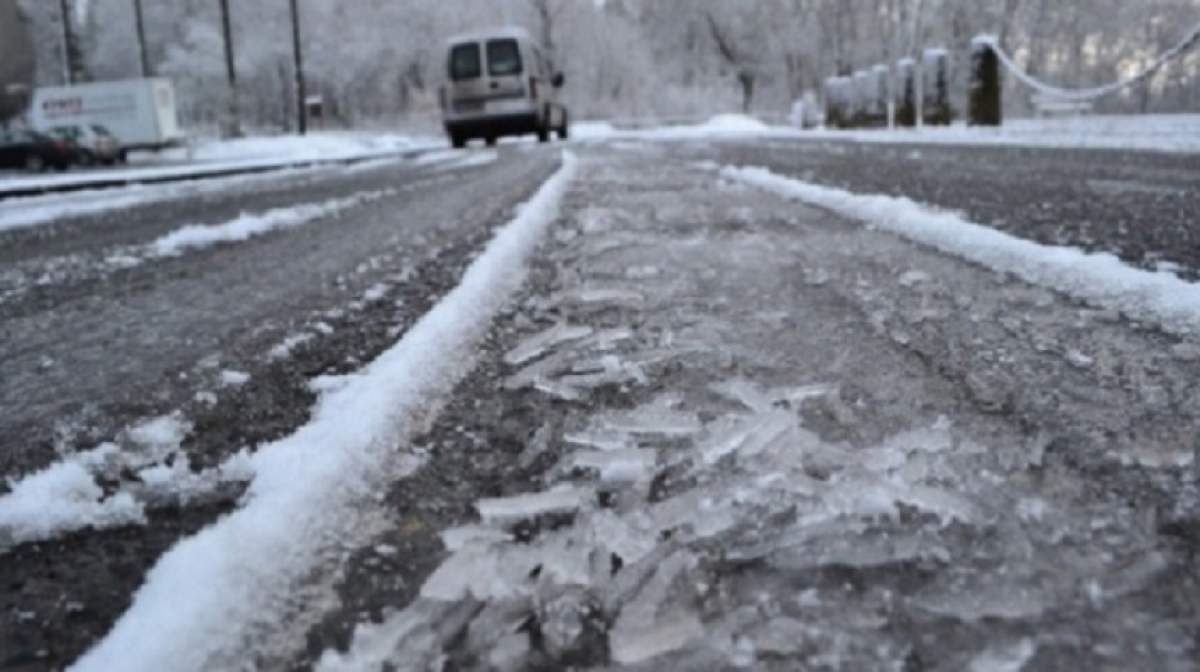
(139, 112)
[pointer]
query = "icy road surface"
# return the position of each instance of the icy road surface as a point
(713, 421)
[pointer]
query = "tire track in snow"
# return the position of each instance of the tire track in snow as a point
(235, 581)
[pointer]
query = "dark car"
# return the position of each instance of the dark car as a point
(35, 151)
(94, 144)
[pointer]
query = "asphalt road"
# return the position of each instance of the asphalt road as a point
(743, 286)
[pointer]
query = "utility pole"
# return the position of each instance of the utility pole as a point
(141, 35)
(65, 14)
(301, 86)
(233, 125)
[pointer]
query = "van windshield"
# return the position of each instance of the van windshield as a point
(464, 61)
(504, 58)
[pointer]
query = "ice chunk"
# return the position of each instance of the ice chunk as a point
(780, 636)
(620, 466)
(457, 538)
(833, 547)
(617, 536)
(673, 632)
(973, 603)
(508, 511)
(483, 573)
(750, 435)
(654, 419)
(1004, 657)
(541, 370)
(745, 393)
(910, 279)
(234, 378)
(537, 345)
(600, 440)
(603, 297)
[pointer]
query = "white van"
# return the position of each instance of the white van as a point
(500, 82)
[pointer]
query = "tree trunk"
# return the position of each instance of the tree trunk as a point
(746, 79)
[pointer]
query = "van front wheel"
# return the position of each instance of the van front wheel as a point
(543, 132)
(458, 141)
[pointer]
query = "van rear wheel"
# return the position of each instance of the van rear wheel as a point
(543, 132)
(564, 131)
(458, 141)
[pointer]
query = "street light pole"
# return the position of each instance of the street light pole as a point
(301, 85)
(65, 13)
(233, 120)
(141, 35)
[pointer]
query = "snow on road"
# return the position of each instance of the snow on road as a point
(25, 212)
(1178, 133)
(751, 477)
(249, 225)
(244, 154)
(1100, 279)
(1174, 133)
(242, 574)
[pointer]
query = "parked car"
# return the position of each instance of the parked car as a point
(35, 151)
(500, 82)
(93, 142)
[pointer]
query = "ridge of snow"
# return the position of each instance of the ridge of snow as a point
(248, 225)
(1098, 278)
(241, 574)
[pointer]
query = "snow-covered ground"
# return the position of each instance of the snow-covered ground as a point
(307, 487)
(1161, 133)
(1100, 279)
(215, 156)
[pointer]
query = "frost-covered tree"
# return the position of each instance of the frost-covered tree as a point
(381, 61)
(16, 60)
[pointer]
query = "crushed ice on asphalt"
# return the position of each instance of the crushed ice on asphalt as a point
(309, 490)
(721, 530)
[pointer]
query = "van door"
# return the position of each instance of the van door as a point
(507, 92)
(467, 85)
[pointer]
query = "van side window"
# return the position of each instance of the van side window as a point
(504, 58)
(464, 61)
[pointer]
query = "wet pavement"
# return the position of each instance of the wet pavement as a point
(716, 430)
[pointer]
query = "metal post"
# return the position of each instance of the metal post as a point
(141, 35)
(233, 121)
(65, 13)
(301, 86)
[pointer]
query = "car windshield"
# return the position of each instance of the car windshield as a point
(504, 58)
(100, 130)
(72, 132)
(464, 61)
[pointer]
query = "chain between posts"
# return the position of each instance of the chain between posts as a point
(1189, 42)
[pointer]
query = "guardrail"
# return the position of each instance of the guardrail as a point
(913, 93)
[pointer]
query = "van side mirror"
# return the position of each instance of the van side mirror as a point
(558, 80)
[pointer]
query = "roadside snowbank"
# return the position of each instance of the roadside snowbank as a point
(1100, 279)
(242, 574)
(1159, 133)
(209, 157)
(720, 126)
